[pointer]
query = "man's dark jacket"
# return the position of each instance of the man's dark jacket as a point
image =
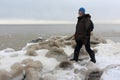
(83, 28)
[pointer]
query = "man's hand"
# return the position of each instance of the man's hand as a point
(91, 33)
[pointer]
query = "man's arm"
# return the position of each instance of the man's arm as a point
(91, 26)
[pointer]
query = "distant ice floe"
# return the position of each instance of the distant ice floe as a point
(8, 50)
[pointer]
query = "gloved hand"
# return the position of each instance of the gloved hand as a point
(91, 33)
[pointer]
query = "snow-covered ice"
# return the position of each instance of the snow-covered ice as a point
(108, 54)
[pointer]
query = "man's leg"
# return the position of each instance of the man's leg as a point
(77, 50)
(90, 51)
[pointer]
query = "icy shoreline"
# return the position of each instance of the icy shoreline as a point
(48, 60)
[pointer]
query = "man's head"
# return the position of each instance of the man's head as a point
(81, 11)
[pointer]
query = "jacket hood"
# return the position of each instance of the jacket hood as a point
(85, 16)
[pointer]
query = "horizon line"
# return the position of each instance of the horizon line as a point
(53, 22)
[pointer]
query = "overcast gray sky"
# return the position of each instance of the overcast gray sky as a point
(58, 9)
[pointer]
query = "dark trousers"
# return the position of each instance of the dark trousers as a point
(87, 47)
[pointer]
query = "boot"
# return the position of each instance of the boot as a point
(73, 60)
(93, 60)
(76, 55)
(92, 56)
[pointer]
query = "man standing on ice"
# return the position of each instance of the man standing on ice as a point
(84, 28)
